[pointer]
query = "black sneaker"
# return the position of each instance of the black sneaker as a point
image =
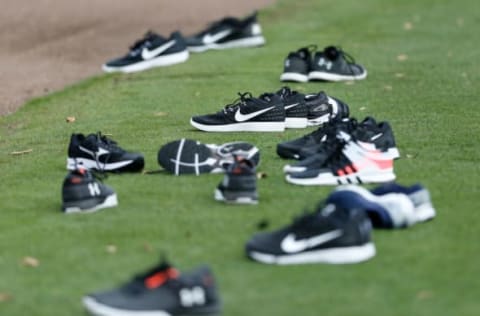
(297, 65)
(161, 291)
(333, 64)
(309, 144)
(239, 185)
(186, 156)
(151, 51)
(98, 152)
(228, 33)
(248, 114)
(333, 234)
(323, 108)
(355, 161)
(82, 192)
(296, 111)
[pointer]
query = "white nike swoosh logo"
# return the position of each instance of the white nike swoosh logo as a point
(290, 245)
(239, 117)
(376, 136)
(149, 54)
(210, 39)
(291, 106)
(94, 154)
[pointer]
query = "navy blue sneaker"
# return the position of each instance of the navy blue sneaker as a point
(389, 210)
(333, 64)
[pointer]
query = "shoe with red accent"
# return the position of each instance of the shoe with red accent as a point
(354, 162)
(162, 291)
(82, 192)
(239, 185)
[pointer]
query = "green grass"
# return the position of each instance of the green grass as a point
(430, 269)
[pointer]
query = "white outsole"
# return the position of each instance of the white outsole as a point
(345, 255)
(242, 127)
(160, 61)
(99, 309)
(320, 75)
(253, 41)
(110, 201)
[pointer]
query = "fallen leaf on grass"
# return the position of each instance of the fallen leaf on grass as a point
(111, 249)
(387, 88)
(402, 57)
(399, 75)
(160, 114)
(261, 175)
(5, 297)
(21, 152)
(70, 119)
(410, 156)
(147, 247)
(424, 295)
(349, 83)
(460, 22)
(362, 108)
(407, 26)
(30, 262)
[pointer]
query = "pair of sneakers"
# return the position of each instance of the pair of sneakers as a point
(331, 64)
(238, 160)
(272, 112)
(89, 155)
(339, 230)
(154, 50)
(342, 152)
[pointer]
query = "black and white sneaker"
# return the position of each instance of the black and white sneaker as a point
(333, 234)
(186, 156)
(228, 33)
(323, 108)
(296, 111)
(98, 152)
(316, 141)
(333, 64)
(297, 65)
(239, 185)
(356, 160)
(162, 291)
(82, 192)
(151, 51)
(247, 114)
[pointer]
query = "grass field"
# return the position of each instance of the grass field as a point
(429, 98)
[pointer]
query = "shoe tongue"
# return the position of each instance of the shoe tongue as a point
(331, 52)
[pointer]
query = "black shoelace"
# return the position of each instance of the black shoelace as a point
(241, 101)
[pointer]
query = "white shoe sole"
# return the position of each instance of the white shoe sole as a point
(242, 127)
(320, 75)
(343, 255)
(74, 163)
(245, 42)
(291, 76)
(99, 309)
(110, 201)
(165, 60)
(354, 178)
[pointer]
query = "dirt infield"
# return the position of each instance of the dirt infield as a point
(48, 44)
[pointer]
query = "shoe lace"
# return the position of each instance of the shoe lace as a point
(241, 101)
(111, 145)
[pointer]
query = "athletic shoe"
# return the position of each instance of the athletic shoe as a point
(323, 108)
(228, 33)
(325, 137)
(333, 234)
(186, 156)
(296, 111)
(161, 291)
(354, 162)
(297, 65)
(82, 192)
(239, 185)
(390, 210)
(151, 51)
(333, 64)
(247, 114)
(418, 194)
(98, 152)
